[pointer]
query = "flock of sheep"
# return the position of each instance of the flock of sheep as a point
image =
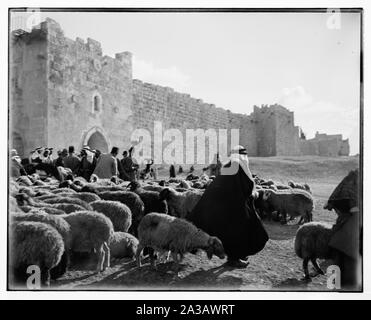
(50, 220)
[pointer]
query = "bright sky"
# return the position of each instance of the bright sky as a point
(236, 60)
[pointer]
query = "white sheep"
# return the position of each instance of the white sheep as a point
(162, 232)
(294, 202)
(180, 203)
(122, 245)
(91, 230)
(311, 242)
(34, 243)
(57, 222)
(117, 212)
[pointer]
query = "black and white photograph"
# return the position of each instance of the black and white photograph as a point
(185, 149)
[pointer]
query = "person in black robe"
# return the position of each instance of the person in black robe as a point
(226, 210)
(346, 239)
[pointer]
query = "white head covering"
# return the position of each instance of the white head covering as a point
(238, 158)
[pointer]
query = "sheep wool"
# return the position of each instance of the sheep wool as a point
(58, 199)
(180, 203)
(123, 245)
(311, 242)
(118, 213)
(34, 243)
(166, 233)
(91, 230)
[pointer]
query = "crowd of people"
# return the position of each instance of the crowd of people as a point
(85, 164)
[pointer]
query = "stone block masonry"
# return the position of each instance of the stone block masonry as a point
(66, 92)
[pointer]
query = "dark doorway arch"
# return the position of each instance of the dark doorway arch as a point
(98, 142)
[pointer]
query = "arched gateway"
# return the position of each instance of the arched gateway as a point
(95, 139)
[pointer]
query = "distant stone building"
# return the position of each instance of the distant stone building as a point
(325, 145)
(66, 92)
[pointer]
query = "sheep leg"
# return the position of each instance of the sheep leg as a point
(316, 266)
(106, 263)
(176, 260)
(101, 254)
(45, 277)
(152, 258)
(305, 268)
(284, 218)
(138, 255)
(300, 220)
(168, 256)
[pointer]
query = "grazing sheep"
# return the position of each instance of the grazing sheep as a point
(84, 196)
(292, 202)
(34, 243)
(132, 200)
(119, 213)
(68, 207)
(151, 199)
(24, 200)
(48, 210)
(60, 225)
(180, 203)
(123, 245)
(184, 184)
(97, 189)
(63, 190)
(311, 242)
(91, 230)
(295, 185)
(153, 188)
(76, 201)
(162, 232)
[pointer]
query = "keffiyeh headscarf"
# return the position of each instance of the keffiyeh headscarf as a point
(238, 157)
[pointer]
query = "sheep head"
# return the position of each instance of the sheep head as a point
(164, 194)
(215, 246)
(266, 195)
(133, 185)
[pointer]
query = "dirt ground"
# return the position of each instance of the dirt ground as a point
(276, 267)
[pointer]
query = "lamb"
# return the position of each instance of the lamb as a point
(123, 245)
(180, 203)
(117, 212)
(60, 225)
(292, 202)
(166, 233)
(132, 200)
(35, 243)
(91, 230)
(151, 199)
(311, 242)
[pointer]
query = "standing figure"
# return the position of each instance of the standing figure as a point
(72, 161)
(346, 236)
(106, 166)
(226, 210)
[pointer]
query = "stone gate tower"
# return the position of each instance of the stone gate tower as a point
(65, 92)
